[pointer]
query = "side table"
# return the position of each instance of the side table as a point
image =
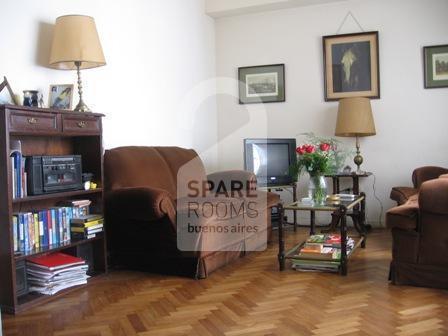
(353, 176)
(335, 218)
(341, 211)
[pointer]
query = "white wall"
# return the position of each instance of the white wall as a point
(411, 121)
(157, 52)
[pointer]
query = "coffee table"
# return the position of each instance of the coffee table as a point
(357, 206)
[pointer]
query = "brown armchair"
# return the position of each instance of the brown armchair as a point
(402, 194)
(420, 237)
(146, 204)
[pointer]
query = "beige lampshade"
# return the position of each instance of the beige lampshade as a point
(76, 39)
(355, 118)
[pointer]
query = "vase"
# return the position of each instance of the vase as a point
(317, 189)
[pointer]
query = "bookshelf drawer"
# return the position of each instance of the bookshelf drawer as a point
(81, 124)
(25, 121)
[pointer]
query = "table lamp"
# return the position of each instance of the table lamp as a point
(355, 119)
(76, 45)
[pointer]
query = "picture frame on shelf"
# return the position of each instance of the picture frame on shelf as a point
(351, 65)
(435, 66)
(6, 94)
(61, 96)
(261, 84)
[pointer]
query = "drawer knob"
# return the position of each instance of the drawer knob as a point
(32, 121)
(82, 124)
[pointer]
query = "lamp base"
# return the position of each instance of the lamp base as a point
(358, 159)
(81, 107)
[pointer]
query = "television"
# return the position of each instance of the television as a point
(270, 159)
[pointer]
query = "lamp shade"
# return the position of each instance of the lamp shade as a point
(355, 118)
(76, 39)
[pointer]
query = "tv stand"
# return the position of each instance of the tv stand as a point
(278, 188)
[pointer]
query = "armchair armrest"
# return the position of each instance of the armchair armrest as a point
(402, 194)
(237, 177)
(404, 217)
(426, 173)
(140, 203)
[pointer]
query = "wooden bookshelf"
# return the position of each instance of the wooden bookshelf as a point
(47, 132)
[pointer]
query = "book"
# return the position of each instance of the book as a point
(86, 218)
(15, 228)
(91, 229)
(87, 224)
(55, 261)
(83, 235)
(329, 240)
(347, 197)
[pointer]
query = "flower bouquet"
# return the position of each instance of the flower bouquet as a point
(318, 157)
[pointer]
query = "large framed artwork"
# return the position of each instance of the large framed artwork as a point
(436, 66)
(351, 65)
(262, 84)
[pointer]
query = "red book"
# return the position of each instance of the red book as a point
(333, 239)
(55, 261)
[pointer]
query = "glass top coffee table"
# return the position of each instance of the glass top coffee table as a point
(355, 206)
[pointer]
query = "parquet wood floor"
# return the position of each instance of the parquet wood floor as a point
(249, 297)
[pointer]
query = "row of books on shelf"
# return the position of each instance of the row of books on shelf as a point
(321, 252)
(43, 228)
(51, 273)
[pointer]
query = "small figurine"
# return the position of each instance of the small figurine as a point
(347, 169)
(41, 100)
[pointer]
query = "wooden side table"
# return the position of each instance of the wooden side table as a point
(355, 186)
(342, 211)
(353, 176)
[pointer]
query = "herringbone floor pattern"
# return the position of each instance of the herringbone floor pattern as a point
(249, 297)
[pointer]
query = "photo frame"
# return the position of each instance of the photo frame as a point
(6, 93)
(261, 84)
(435, 59)
(61, 96)
(351, 66)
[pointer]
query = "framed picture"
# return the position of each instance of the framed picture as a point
(262, 84)
(436, 66)
(6, 93)
(61, 96)
(351, 66)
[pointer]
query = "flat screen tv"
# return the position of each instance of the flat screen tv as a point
(270, 160)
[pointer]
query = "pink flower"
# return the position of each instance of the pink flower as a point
(324, 147)
(309, 148)
(300, 150)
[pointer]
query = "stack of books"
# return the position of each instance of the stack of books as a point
(54, 272)
(321, 253)
(86, 227)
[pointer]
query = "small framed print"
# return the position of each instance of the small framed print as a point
(436, 66)
(262, 84)
(6, 93)
(351, 66)
(61, 96)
